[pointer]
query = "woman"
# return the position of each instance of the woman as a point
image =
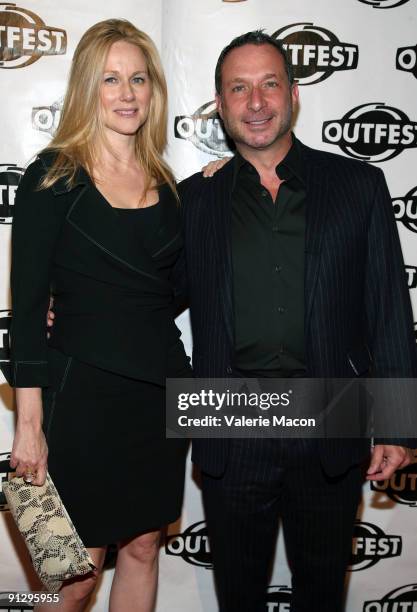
(96, 224)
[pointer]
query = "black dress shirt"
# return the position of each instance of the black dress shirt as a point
(268, 241)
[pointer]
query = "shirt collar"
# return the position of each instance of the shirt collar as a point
(290, 166)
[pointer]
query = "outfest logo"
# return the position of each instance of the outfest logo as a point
(384, 4)
(9, 602)
(401, 487)
(407, 59)
(401, 599)
(10, 176)
(371, 544)
(315, 53)
(24, 37)
(278, 599)
(411, 273)
(405, 209)
(46, 118)
(372, 132)
(192, 545)
(204, 129)
(5, 323)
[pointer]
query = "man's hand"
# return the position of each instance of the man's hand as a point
(386, 459)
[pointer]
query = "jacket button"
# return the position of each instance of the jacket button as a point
(229, 369)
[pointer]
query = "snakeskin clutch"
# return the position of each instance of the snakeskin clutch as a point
(55, 547)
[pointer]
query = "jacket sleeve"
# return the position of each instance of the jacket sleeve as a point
(37, 220)
(390, 319)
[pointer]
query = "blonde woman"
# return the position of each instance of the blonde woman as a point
(96, 223)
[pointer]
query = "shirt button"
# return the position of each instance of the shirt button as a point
(229, 369)
(278, 268)
(281, 309)
(264, 193)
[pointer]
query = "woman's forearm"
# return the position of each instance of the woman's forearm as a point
(29, 406)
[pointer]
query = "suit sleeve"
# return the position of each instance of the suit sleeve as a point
(389, 314)
(36, 226)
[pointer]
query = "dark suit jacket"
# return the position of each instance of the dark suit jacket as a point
(114, 308)
(358, 317)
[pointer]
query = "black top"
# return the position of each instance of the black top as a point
(268, 268)
(112, 294)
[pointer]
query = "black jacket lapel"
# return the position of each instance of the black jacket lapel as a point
(316, 214)
(220, 214)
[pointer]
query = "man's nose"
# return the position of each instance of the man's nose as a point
(256, 99)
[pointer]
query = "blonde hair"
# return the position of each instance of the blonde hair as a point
(81, 129)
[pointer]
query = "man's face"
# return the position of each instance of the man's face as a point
(256, 101)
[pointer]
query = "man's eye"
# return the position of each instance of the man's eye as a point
(238, 88)
(271, 84)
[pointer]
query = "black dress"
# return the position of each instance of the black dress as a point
(116, 473)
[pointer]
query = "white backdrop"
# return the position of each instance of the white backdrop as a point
(356, 61)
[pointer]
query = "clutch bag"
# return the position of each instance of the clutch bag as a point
(55, 547)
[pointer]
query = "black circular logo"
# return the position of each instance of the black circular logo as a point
(407, 59)
(401, 487)
(405, 209)
(372, 132)
(5, 475)
(371, 544)
(278, 599)
(10, 176)
(384, 4)
(192, 545)
(315, 53)
(402, 598)
(204, 129)
(25, 37)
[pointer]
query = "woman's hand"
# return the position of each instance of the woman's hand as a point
(212, 167)
(50, 316)
(30, 451)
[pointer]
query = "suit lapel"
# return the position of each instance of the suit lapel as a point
(316, 214)
(220, 214)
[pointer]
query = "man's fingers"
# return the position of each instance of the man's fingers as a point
(376, 461)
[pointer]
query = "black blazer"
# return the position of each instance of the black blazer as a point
(358, 317)
(114, 308)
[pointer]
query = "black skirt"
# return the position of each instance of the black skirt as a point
(117, 474)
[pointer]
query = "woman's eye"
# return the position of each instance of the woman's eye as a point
(138, 79)
(110, 79)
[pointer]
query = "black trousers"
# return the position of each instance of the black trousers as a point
(264, 480)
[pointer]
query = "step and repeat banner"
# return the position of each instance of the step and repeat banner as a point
(356, 64)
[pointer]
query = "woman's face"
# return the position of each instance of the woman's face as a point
(126, 90)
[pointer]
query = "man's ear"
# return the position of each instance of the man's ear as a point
(295, 94)
(219, 107)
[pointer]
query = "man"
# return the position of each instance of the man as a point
(294, 268)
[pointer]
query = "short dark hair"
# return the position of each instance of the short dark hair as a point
(256, 37)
